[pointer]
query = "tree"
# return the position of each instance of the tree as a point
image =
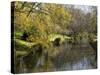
(41, 20)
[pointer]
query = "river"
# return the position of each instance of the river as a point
(70, 57)
(67, 56)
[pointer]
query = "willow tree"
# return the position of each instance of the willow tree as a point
(59, 17)
(41, 20)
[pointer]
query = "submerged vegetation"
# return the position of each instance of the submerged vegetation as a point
(47, 36)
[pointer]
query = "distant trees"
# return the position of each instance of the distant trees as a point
(84, 23)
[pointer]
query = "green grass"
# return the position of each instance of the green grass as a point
(18, 35)
(24, 43)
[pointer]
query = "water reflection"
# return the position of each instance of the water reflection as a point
(84, 63)
(65, 57)
(75, 57)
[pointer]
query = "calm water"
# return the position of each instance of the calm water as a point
(76, 57)
(65, 57)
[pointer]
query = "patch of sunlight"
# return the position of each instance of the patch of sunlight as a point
(52, 37)
(25, 43)
(17, 33)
